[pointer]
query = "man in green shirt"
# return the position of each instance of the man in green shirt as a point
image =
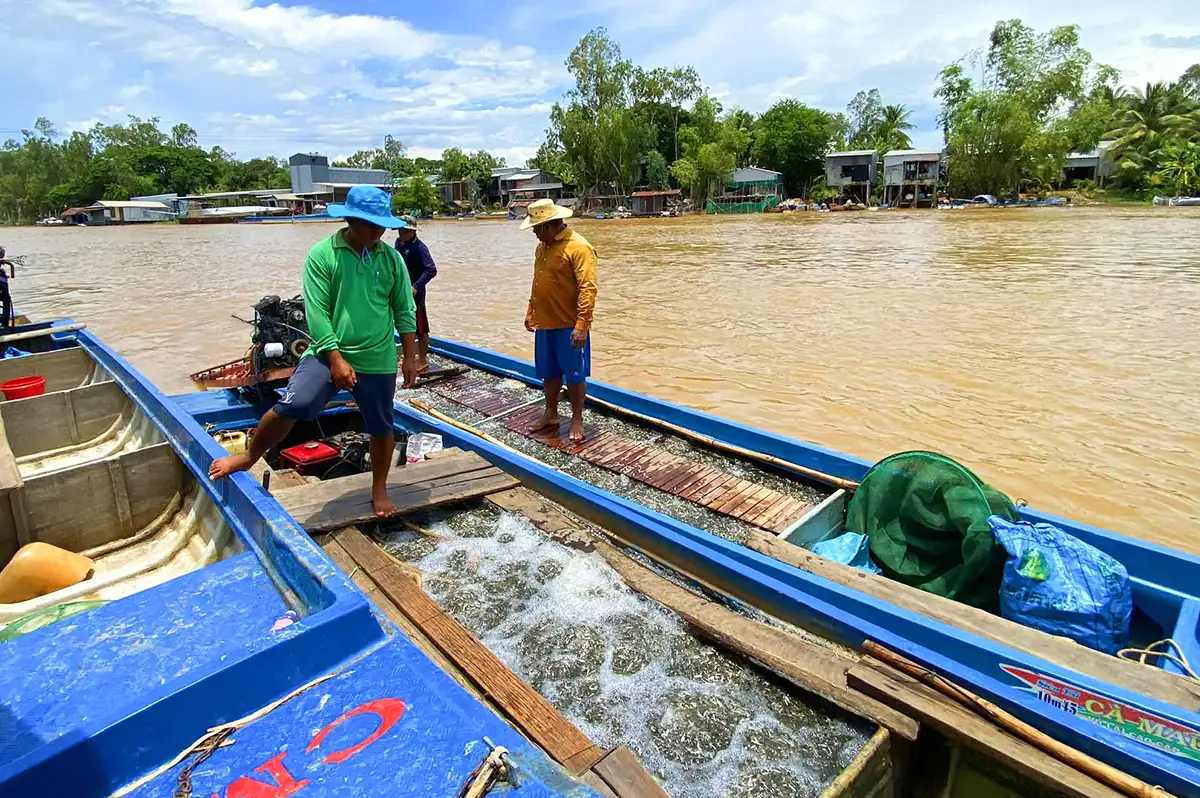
(356, 295)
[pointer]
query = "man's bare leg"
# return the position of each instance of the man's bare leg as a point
(578, 393)
(423, 353)
(552, 389)
(272, 429)
(382, 447)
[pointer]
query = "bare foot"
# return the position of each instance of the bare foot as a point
(422, 367)
(548, 420)
(225, 466)
(576, 435)
(384, 506)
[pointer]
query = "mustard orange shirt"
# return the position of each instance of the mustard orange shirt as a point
(564, 283)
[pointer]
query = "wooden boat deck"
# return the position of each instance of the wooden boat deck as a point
(453, 476)
(675, 474)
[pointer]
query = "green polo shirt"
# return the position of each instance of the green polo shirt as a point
(354, 303)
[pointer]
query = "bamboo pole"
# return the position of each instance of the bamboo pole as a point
(1122, 782)
(24, 336)
(728, 448)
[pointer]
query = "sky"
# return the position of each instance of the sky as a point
(335, 76)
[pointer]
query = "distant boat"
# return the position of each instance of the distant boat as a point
(306, 218)
(230, 214)
(1180, 202)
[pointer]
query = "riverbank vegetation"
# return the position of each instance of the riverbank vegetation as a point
(1011, 113)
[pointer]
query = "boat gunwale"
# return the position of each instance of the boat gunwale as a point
(720, 558)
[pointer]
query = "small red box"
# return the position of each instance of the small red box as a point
(308, 458)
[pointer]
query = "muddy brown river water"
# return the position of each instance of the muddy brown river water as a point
(1054, 351)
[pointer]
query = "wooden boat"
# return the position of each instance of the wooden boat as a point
(1143, 719)
(219, 650)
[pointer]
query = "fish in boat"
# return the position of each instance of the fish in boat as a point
(213, 648)
(1143, 719)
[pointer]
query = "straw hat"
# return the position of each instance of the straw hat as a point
(544, 210)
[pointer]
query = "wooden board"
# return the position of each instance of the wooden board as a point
(816, 669)
(624, 775)
(672, 473)
(335, 503)
(531, 713)
(1143, 679)
(958, 722)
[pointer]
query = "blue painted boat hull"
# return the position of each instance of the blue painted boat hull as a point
(92, 704)
(1165, 750)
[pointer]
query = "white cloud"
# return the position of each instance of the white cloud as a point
(254, 68)
(262, 78)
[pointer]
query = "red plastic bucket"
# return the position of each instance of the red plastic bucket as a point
(23, 387)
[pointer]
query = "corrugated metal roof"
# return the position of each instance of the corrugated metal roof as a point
(906, 153)
(523, 175)
(664, 193)
(149, 206)
(848, 153)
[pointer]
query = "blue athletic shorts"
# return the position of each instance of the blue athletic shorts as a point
(554, 357)
(311, 387)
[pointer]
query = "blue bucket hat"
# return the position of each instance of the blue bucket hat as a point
(368, 203)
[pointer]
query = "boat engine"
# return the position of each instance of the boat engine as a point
(280, 332)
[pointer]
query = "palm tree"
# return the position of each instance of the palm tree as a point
(891, 131)
(1152, 116)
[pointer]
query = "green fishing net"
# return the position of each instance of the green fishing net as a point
(36, 620)
(926, 519)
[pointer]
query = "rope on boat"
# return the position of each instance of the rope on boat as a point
(496, 768)
(1177, 656)
(213, 739)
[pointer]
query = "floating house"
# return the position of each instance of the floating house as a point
(750, 190)
(852, 173)
(910, 177)
(653, 203)
(529, 184)
(119, 212)
(1095, 165)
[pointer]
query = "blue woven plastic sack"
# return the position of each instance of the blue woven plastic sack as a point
(1057, 583)
(849, 549)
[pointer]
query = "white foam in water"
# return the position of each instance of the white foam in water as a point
(625, 670)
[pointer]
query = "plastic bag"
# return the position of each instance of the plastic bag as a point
(1057, 583)
(421, 445)
(849, 549)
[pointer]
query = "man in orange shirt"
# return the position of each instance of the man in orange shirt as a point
(560, 310)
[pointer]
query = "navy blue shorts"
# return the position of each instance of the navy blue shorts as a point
(555, 357)
(311, 387)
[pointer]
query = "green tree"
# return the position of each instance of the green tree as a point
(456, 165)
(891, 129)
(1006, 124)
(1179, 168)
(792, 138)
(863, 114)
(655, 172)
(416, 195)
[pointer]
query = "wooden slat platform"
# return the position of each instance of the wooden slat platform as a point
(720, 492)
(451, 477)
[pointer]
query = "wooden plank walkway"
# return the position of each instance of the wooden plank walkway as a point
(453, 476)
(720, 492)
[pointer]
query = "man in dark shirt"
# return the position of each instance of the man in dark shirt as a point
(421, 270)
